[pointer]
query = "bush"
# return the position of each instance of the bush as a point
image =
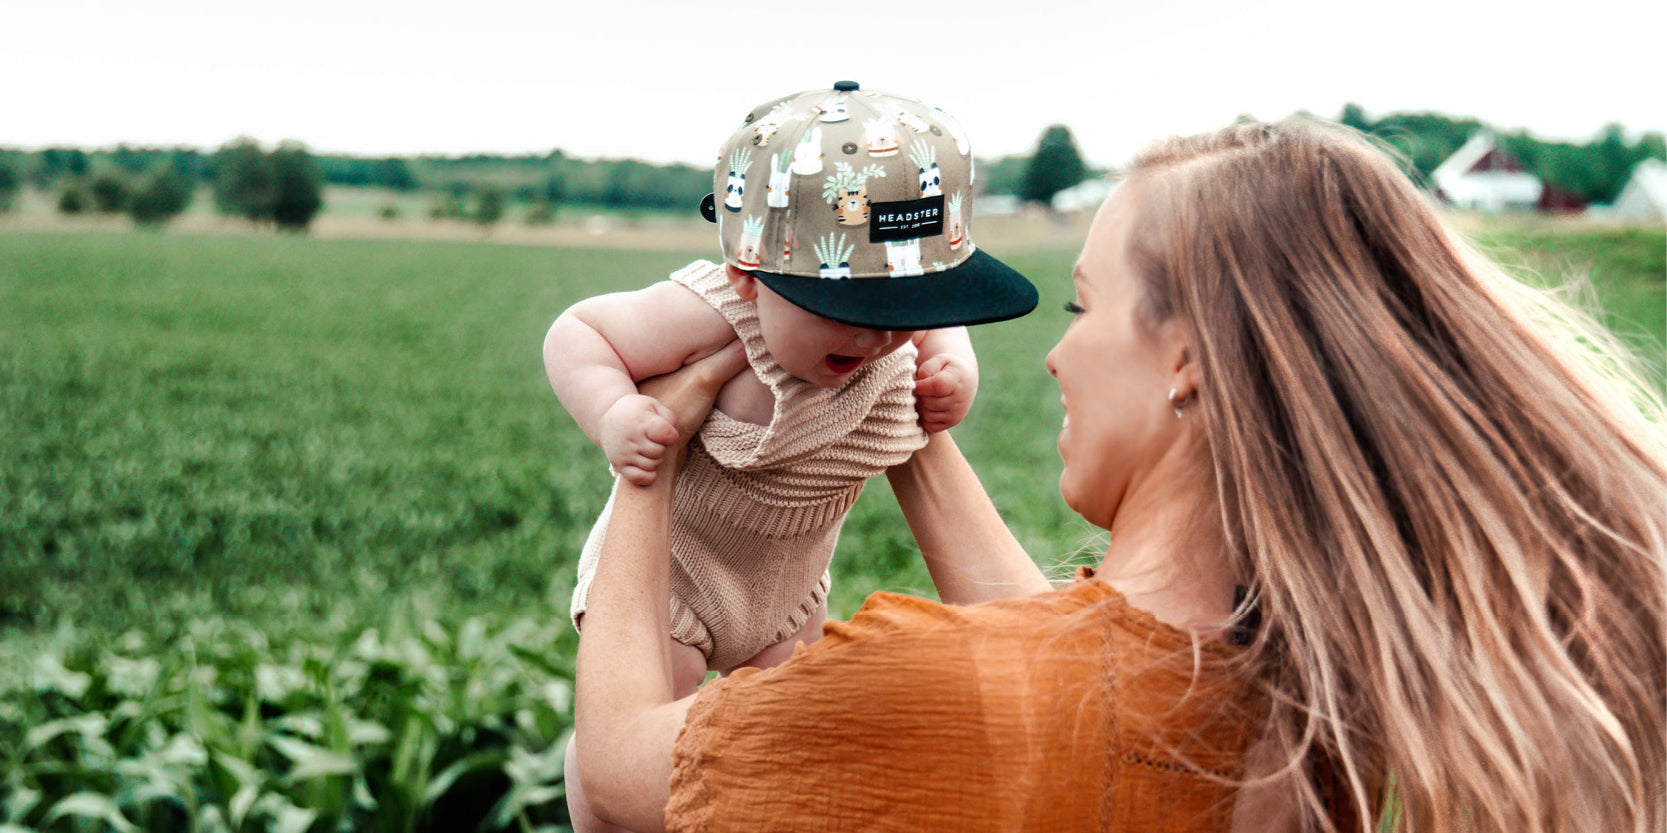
(163, 198)
(388, 211)
(298, 193)
(243, 180)
(10, 182)
(110, 193)
(541, 214)
(282, 187)
(490, 209)
(451, 206)
(73, 199)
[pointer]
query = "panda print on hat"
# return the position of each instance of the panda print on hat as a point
(835, 256)
(835, 111)
(925, 158)
(735, 187)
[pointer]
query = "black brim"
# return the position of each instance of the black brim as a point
(979, 291)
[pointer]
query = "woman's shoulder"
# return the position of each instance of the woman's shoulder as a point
(886, 616)
(1082, 637)
(1086, 603)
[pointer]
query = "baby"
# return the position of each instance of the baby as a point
(847, 277)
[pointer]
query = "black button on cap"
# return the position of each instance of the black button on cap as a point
(846, 86)
(709, 209)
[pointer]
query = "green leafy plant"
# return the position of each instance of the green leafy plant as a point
(232, 727)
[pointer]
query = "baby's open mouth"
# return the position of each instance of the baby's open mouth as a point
(841, 365)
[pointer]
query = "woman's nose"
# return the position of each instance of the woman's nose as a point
(1048, 362)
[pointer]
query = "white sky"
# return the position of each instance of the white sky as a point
(666, 81)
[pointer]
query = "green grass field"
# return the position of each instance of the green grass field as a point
(211, 423)
(287, 526)
(1625, 268)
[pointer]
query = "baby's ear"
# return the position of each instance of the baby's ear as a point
(745, 285)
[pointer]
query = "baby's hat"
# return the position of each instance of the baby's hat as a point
(856, 205)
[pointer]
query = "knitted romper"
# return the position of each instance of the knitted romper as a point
(758, 508)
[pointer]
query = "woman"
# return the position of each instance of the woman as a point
(1443, 494)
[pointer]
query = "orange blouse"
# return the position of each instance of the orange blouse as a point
(1068, 710)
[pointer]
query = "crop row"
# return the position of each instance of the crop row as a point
(411, 727)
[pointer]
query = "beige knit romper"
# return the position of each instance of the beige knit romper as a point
(758, 507)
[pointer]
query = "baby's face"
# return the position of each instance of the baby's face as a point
(815, 349)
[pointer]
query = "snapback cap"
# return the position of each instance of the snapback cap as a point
(856, 205)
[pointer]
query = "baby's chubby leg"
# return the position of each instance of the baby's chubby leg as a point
(778, 653)
(688, 670)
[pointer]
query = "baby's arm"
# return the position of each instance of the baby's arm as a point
(598, 350)
(946, 377)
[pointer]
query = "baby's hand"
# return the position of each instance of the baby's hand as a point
(944, 388)
(636, 432)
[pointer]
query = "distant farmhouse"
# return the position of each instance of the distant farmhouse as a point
(1645, 194)
(1085, 195)
(1483, 176)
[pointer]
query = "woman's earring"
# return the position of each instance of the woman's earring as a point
(1178, 404)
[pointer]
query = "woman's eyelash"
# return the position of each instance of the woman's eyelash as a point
(1073, 308)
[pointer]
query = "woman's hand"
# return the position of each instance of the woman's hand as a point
(690, 391)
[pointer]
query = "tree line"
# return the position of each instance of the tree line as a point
(283, 185)
(278, 186)
(1594, 171)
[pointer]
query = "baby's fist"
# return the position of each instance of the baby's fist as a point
(944, 388)
(636, 432)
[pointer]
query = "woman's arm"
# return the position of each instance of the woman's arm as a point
(625, 718)
(969, 551)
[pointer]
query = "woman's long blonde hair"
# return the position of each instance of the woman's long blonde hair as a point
(1449, 490)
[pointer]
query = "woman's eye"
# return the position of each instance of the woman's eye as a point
(1073, 308)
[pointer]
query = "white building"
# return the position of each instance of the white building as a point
(1645, 194)
(1085, 195)
(1481, 176)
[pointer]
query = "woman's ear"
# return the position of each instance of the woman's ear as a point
(1184, 372)
(745, 285)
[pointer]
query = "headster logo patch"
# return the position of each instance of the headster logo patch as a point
(906, 220)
